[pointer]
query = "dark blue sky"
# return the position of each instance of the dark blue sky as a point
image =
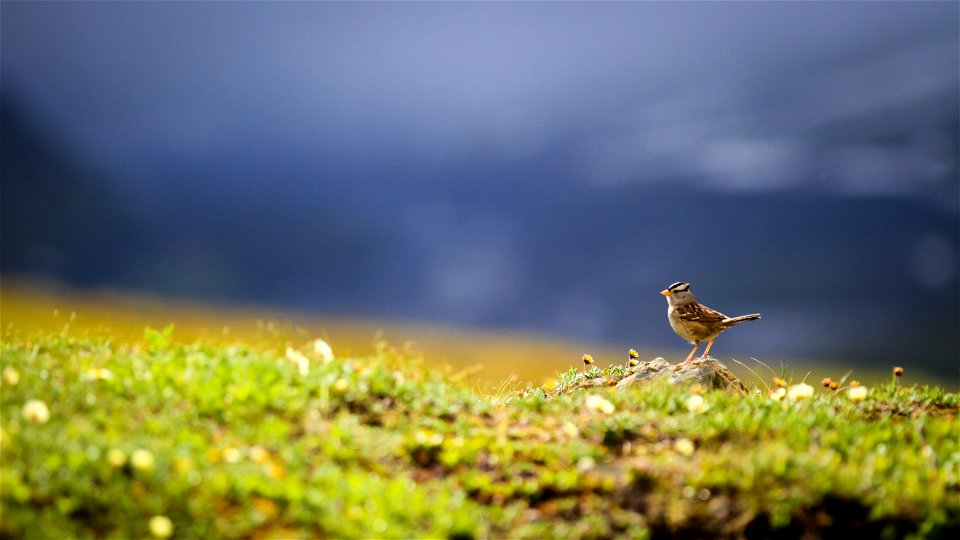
(730, 95)
(537, 165)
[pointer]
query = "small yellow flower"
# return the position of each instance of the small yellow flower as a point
(779, 382)
(834, 385)
(160, 526)
(266, 507)
(100, 374)
(570, 429)
(36, 410)
(597, 403)
(258, 454)
(634, 362)
(428, 437)
(696, 404)
(587, 360)
(857, 393)
(142, 460)
(183, 465)
(341, 386)
(854, 383)
(116, 457)
(273, 469)
(826, 382)
(231, 455)
(633, 353)
(898, 371)
(799, 391)
(323, 350)
(684, 447)
(11, 376)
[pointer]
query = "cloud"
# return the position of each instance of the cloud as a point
(730, 96)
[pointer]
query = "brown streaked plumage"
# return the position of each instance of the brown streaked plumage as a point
(694, 321)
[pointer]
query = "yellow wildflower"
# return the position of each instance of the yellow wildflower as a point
(341, 386)
(231, 455)
(116, 457)
(684, 447)
(11, 376)
(142, 460)
(160, 526)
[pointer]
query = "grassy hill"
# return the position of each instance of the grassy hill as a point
(481, 359)
(151, 436)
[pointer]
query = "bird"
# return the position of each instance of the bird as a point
(694, 321)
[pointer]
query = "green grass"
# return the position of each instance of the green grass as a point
(246, 444)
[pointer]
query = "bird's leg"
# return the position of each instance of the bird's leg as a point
(689, 356)
(707, 351)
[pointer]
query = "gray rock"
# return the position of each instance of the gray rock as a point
(708, 373)
(645, 371)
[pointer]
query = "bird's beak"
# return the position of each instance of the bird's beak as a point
(665, 292)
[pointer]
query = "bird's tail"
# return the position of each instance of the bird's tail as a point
(730, 321)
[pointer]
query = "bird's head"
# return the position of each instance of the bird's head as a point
(678, 294)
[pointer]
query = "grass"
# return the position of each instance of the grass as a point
(132, 438)
(481, 359)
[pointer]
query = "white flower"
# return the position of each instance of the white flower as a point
(322, 349)
(299, 359)
(800, 391)
(36, 411)
(598, 403)
(696, 404)
(142, 459)
(857, 393)
(586, 463)
(778, 394)
(161, 526)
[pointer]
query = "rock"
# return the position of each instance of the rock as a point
(645, 371)
(708, 373)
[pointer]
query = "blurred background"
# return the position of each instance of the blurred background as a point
(539, 168)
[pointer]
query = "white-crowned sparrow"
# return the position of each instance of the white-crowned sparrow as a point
(694, 321)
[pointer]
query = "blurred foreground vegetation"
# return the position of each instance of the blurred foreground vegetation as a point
(132, 438)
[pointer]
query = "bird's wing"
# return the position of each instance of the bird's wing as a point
(698, 312)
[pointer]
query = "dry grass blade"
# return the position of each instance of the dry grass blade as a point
(755, 374)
